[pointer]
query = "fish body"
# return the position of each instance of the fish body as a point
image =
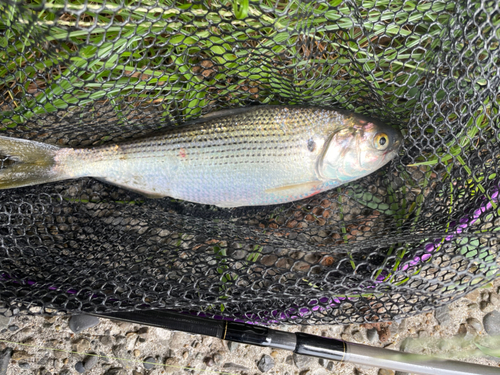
(253, 156)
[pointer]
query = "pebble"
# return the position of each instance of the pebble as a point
(171, 365)
(384, 371)
(81, 345)
(137, 353)
(473, 306)
(423, 333)
(4, 321)
(474, 323)
(4, 360)
(372, 335)
(149, 363)
(209, 361)
(90, 361)
(357, 336)
(234, 367)
(106, 340)
(326, 364)
(232, 346)
(266, 363)
(305, 372)
(79, 367)
(78, 323)
(442, 315)
(289, 360)
(29, 341)
(50, 319)
(217, 357)
(143, 332)
(20, 355)
(24, 365)
(65, 372)
(131, 335)
(115, 371)
(485, 296)
(491, 323)
(384, 333)
(485, 306)
(302, 361)
(466, 331)
(494, 299)
(13, 328)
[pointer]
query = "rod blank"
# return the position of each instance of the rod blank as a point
(303, 343)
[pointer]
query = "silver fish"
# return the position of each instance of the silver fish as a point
(252, 156)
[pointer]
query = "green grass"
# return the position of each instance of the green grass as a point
(157, 43)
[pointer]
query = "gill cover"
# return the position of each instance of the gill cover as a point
(330, 164)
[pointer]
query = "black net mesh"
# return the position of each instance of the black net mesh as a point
(412, 236)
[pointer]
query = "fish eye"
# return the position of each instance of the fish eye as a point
(381, 141)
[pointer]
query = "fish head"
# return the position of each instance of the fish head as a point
(357, 149)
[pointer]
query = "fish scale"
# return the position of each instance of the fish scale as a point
(253, 156)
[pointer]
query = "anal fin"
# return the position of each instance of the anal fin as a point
(232, 204)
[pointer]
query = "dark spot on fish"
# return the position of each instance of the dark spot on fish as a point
(311, 145)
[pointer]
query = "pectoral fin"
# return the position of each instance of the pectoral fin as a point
(295, 188)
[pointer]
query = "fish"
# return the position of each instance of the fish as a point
(259, 155)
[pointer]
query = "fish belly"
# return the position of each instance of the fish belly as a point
(236, 179)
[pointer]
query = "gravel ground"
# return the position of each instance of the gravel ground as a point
(48, 345)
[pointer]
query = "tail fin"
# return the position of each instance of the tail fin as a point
(24, 163)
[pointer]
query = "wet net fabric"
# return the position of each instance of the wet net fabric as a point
(410, 237)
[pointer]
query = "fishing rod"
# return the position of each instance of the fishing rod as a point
(302, 343)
